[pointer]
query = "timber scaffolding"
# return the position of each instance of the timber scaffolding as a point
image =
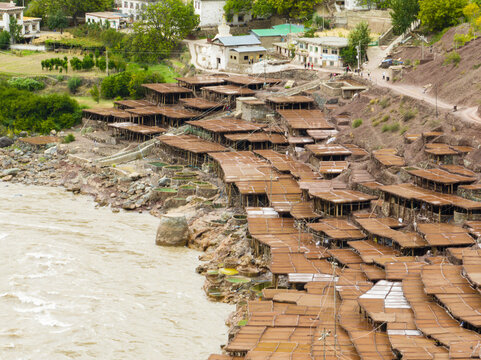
(135, 132)
(253, 83)
(406, 200)
(216, 129)
(195, 83)
(439, 180)
(226, 94)
(165, 93)
(256, 141)
(106, 115)
(190, 149)
(131, 104)
(299, 122)
(290, 102)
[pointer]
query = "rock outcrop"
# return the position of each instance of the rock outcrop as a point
(173, 230)
(5, 141)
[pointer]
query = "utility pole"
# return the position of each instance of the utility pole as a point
(358, 47)
(335, 309)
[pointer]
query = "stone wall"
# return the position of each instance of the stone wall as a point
(210, 32)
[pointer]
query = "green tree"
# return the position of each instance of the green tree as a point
(439, 14)
(295, 9)
(233, 7)
(162, 26)
(262, 8)
(57, 20)
(4, 39)
(403, 13)
(15, 30)
(76, 8)
(359, 36)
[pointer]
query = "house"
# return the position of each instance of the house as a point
(211, 13)
(222, 46)
(246, 55)
(350, 5)
(30, 27)
(322, 51)
(112, 19)
(134, 8)
(276, 34)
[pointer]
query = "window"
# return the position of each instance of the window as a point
(246, 57)
(240, 18)
(325, 51)
(331, 63)
(317, 49)
(310, 48)
(260, 56)
(301, 46)
(334, 51)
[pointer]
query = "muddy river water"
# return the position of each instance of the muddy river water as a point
(78, 282)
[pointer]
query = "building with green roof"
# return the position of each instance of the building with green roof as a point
(277, 33)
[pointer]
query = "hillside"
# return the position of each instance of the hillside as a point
(459, 84)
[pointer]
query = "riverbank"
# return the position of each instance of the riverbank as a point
(215, 229)
(97, 279)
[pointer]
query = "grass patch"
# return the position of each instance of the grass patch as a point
(356, 123)
(385, 118)
(403, 130)
(408, 114)
(477, 66)
(438, 36)
(68, 139)
(394, 127)
(166, 71)
(88, 102)
(384, 102)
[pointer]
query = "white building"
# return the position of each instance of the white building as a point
(114, 20)
(30, 27)
(211, 13)
(134, 8)
(321, 52)
(350, 5)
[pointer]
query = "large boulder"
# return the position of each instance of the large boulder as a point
(173, 230)
(5, 142)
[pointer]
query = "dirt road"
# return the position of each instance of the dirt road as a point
(426, 94)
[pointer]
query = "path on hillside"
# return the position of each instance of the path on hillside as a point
(428, 95)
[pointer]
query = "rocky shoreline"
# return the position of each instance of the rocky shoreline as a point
(232, 273)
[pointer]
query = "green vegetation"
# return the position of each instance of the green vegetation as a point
(23, 83)
(47, 9)
(359, 35)
(57, 63)
(163, 25)
(73, 84)
(404, 130)
(452, 57)
(128, 84)
(356, 123)
(15, 30)
(403, 13)
(384, 102)
(57, 20)
(439, 14)
(23, 110)
(95, 93)
(68, 139)
(292, 9)
(394, 127)
(385, 118)
(4, 39)
(407, 114)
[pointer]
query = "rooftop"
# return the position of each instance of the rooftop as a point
(333, 41)
(242, 40)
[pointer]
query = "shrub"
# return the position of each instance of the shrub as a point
(76, 63)
(88, 62)
(58, 64)
(23, 110)
(403, 130)
(4, 39)
(74, 83)
(408, 114)
(394, 127)
(452, 58)
(68, 139)
(95, 93)
(356, 123)
(385, 118)
(384, 102)
(128, 83)
(29, 84)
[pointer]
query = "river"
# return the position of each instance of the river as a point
(79, 282)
